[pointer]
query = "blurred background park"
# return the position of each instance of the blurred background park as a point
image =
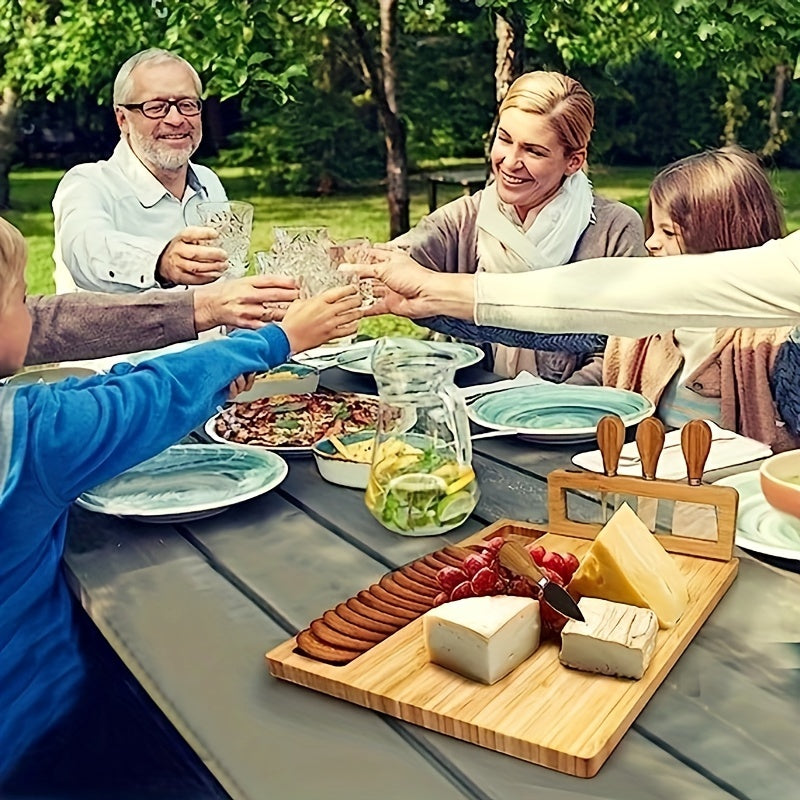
(331, 112)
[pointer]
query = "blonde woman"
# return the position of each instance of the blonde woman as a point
(716, 200)
(539, 212)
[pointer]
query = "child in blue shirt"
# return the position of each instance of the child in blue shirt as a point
(59, 440)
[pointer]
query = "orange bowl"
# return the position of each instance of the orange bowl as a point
(780, 481)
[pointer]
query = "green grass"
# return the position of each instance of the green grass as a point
(345, 215)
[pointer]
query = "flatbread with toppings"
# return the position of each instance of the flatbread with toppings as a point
(296, 420)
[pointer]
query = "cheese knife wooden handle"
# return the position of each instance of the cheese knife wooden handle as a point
(610, 436)
(695, 443)
(650, 443)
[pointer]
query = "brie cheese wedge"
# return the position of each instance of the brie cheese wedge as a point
(615, 639)
(482, 638)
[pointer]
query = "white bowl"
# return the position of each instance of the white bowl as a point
(284, 379)
(335, 468)
(780, 481)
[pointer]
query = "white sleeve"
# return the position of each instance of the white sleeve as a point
(636, 297)
(98, 255)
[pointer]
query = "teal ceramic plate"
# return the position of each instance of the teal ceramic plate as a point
(187, 482)
(465, 355)
(550, 412)
(760, 527)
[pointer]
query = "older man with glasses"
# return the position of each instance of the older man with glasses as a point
(128, 224)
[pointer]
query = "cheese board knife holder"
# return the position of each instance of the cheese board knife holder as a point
(515, 716)
(695, 442)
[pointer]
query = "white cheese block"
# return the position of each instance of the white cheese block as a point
(615, 639)
(482, 638)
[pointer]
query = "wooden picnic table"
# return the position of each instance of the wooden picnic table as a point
(192, 608)
(470, 180)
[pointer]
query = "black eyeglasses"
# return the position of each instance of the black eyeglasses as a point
(158, 109)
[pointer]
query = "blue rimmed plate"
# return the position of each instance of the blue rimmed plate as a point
(187, 482)
(761, 528)
(558, 413)
(465, 355)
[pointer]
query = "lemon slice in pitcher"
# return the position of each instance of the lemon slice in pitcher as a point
(463, 481)
(454, 506)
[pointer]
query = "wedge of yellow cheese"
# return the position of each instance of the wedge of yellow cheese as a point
(627, 564)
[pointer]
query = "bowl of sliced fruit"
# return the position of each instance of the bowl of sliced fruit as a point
(345, 459)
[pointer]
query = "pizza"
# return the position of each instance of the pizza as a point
(296, 420)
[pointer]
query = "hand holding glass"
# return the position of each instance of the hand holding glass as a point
(233, 222)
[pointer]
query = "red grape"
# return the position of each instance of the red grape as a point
(495, 543)
(571, 562)
(449, 577)
(483, 581)
(554, 562)
(537, 553)
(475, 562)
(461, 591)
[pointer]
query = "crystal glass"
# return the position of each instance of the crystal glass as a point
(233, 222)
(421, 480)
(312, 258)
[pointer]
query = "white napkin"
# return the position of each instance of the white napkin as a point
(727, 448)
(523, 379)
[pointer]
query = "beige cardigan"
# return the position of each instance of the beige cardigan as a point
(447, 241)
(737, 372)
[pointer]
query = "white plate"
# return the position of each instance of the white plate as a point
(465, 355)
(760, 527)
(557, 412)
(187, 482)
(51, 374)
(210, 430)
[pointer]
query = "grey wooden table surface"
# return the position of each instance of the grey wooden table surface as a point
(192, 609)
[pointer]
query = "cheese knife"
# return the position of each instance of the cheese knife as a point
(696, 444)
(650, 443)
(515, 557)
(695, 520)
(610, 436)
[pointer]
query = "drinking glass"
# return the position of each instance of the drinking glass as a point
(233, 222)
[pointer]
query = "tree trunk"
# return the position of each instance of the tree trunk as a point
(382, 79)
(509, 59)
(777, 133)
(396, 161)
(734, 112)
(8, 141)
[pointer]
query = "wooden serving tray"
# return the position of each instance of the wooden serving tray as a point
(541, 712)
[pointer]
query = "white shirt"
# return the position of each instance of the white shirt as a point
(635, 297)
(114, 218)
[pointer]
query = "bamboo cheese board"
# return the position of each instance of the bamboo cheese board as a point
(541, 712)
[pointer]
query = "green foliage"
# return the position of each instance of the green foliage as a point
(321, 142)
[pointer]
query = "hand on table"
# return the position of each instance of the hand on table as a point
(332, 314)
(246, 302)
(186, 260)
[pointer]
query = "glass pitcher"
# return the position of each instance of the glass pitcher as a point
(421, 481)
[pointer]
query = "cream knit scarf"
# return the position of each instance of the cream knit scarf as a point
(504, 245)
